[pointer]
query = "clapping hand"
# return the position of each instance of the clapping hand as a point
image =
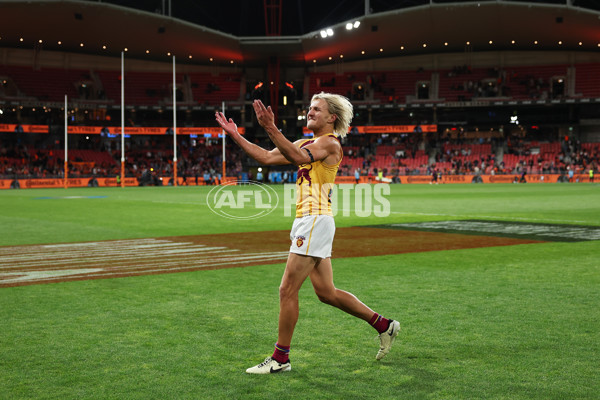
(264, 115)
(228, 126)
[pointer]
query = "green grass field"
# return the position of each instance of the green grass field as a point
(512, 322)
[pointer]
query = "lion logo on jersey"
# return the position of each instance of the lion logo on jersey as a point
(300, 240)
(304, 175)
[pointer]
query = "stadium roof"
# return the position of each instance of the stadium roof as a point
(233, 32)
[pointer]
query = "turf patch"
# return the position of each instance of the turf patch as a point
(51, 263)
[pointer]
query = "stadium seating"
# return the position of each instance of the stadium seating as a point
(519, 83)
(336, 83)
(455, 86)
(141, 88)
(46, 84)
(212, 89)
(532, 82)
(154, 88)
(398, 86)
(587, 80)
(591, 148)
(366, 152)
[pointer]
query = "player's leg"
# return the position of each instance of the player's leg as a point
(322, 279)
(296, 271)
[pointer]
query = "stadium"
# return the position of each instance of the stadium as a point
(142, 249)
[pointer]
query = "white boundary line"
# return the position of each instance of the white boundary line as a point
(42, 263)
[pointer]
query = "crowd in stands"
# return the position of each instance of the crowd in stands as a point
(497, 82)
(104, 86)
(198, 161)
(460, 83)
(399, 155)
(557, 157)
(394, 155)
(366, 154)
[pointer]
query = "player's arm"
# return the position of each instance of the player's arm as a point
(263, 156)
(324, 148)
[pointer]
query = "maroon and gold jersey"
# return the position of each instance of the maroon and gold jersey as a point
(314, 185)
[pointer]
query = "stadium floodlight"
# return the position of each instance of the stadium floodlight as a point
(352, 25)
(326, 32)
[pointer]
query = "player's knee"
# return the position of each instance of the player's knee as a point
(327, 297)
(286, 291)
(282, 292)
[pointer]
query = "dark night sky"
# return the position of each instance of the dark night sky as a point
(247, 17)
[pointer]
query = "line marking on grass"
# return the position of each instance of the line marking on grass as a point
(36, 264)
(45, 275)
(136, 258)
(68, 197)
(26, 265)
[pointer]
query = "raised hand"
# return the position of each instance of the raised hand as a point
(264, 115)
(229, 126)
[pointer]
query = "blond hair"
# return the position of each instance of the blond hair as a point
(339, 106)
